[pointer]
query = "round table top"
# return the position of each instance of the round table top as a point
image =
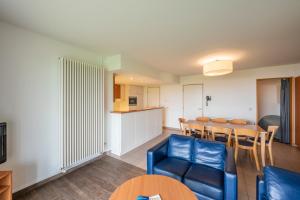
(148, 185)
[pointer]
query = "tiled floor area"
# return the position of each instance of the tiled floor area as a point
(285, 156)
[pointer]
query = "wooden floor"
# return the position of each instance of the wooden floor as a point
(95, 181)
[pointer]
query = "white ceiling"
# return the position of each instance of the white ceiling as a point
(175, 36)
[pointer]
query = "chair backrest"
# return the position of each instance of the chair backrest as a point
(209, 153)
(180, 147)
(181, 121)
(219, 120)
(238, 122)
(272, 131)
(221, 130)
(185, 128)
(203, 119)
(196, 128)
(238, 132)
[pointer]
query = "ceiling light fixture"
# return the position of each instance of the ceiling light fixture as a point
(218, 68)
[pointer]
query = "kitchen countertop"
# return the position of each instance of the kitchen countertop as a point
(130, 111)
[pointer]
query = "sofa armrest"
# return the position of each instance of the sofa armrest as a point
(156, 154)
(230, 176)
(260, 188)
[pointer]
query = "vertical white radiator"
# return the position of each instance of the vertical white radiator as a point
(81, 112)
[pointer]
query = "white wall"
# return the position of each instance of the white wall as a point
(233, 95)
(29, 101)
(268, 97)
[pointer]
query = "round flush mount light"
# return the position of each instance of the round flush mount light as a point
(218, 68)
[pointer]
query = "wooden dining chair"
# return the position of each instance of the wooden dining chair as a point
(238, 122)
(181, 125)
(219, 120)
(269, 141)
(196, 129)
(271, 133)
(202, 119)
(222, 135)
(250, 146)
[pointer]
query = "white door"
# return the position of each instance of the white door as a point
(192, 101)
(153, 97)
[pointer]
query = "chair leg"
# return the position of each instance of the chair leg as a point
(251, 155)
(203, 135)
(207, 135)
(228, 143)
(271, 154)
(256, 159)
(236, 153)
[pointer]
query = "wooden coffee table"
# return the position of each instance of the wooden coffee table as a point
(148, 185)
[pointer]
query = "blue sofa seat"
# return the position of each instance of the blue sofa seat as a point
(206, 167)
(205, 180)
(277, 183)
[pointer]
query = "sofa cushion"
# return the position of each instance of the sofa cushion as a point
(209, 153)
(172, 167)
(202, 197)
(205, 180)
(281, 183)
(180, 147)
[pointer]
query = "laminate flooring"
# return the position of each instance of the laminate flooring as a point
(95, 181)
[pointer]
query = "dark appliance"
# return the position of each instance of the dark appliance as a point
(2, 142)
(132, 101)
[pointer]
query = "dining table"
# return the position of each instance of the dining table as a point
(262, 133)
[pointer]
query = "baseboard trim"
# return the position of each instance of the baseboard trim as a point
(52, 178)
(171, 128)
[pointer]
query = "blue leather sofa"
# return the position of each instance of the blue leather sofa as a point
(206, 167)
(278, 183)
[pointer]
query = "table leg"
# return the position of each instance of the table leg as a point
(263, 148)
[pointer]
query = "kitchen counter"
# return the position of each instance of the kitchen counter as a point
(130, 129)
(130, 111)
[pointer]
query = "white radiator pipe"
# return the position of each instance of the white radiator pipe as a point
(81, 105)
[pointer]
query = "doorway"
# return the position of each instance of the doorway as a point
(297, 111)
(275, 99)
(153, 96)
(192, 101)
